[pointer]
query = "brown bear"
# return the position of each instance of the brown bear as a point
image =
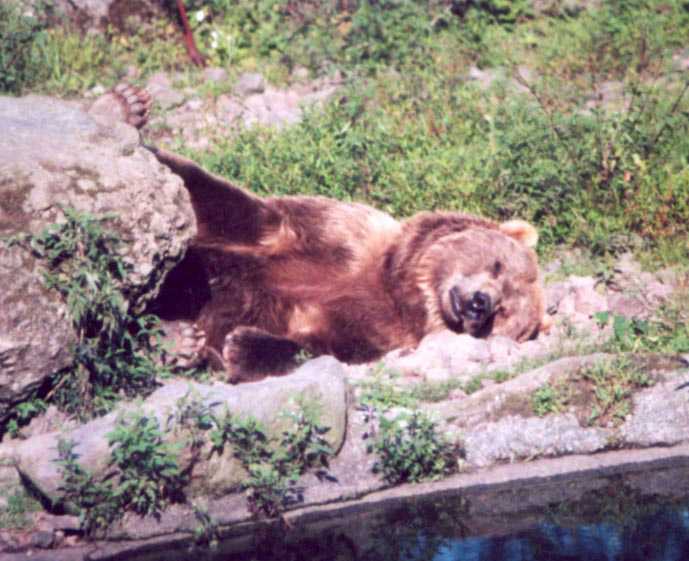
(289, 273)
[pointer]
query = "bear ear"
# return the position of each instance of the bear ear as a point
(521, 231)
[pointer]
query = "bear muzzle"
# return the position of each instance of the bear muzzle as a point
(474, 312)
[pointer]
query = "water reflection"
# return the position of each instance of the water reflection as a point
(609, 520)
(659, 535)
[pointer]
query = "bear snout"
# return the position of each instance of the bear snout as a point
(477, 309)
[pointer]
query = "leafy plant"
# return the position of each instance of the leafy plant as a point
(18, 64)
(549, 399)
(94, 500)
(116, 353)
(409, 449)
(193, 416)
(613, 383)
(274, 466)
(149, 476)
(207, 532)
(22, 415)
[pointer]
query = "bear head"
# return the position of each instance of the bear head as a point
(486, 280)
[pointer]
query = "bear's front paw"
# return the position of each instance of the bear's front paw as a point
(251, 354)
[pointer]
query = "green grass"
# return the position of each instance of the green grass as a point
(415, 136)
(410, 133)
(19, 505)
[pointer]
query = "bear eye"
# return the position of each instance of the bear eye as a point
(496, 269)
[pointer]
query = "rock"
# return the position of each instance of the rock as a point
(496, 401)
(514, 438)
(300, 74)
(502, 349)
(160, 87)
(47, 522)
(215, 74)
(576, 295)
(42, 540)
(54, 154)
(229, 108)
(628, 305)
(680, 61)
(250, 83)
(608, 95)
(441, 356)
(660, 414)
(627, 265)
(318, 383)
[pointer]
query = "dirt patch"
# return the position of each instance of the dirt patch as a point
(13, 194)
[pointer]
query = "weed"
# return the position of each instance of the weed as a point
(207, 533)
(434, 391)
(274, 466)
(18, 65)
(116, 353)
(410, 449)
(93, 499)
(143, 477)
(474, 385)
(149, 475)
(549, 399)
(380, 392)
(19, 504)
(612, 384)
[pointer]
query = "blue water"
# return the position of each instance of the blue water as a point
(442, 533)
(613, 523)
(663, 536)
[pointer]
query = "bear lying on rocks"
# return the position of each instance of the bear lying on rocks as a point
(301, 272)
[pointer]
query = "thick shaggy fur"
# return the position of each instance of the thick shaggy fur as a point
(291, 273)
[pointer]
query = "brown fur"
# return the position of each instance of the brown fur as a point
(345, 279)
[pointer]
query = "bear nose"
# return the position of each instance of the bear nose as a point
(479, 307)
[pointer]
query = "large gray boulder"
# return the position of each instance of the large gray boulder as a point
(319, 385)
(52, 155)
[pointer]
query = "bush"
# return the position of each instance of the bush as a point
(149, 475)
(116, 353)
(19, 67)
(274, 465)
(409, 449)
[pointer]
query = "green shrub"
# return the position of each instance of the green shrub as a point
(144, 476)
(274, 466)
(19, 67)
(116, 353)
(549, 399)
(149, 475)
(93, 499)
(409, 449)
(18, 505)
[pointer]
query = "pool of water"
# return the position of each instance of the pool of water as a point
(643, 517)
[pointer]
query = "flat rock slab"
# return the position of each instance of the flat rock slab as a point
(54, 155)
(318, 384)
